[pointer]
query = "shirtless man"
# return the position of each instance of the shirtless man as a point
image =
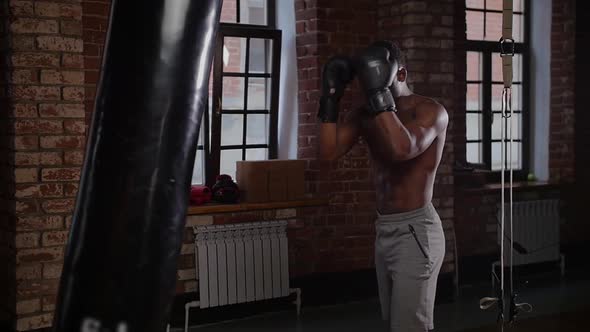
(405, 134)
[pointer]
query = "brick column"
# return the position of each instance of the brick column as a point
(7, 204)
(561, 139)
(458, 116)
(338, 237)
(95, 21)
(425, 30)
(47, 94)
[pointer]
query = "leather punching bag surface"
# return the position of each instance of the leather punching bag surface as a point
(119, 273)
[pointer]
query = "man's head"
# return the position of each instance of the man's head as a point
(397, 59)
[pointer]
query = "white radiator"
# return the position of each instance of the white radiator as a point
(535, 228)
(238, 263)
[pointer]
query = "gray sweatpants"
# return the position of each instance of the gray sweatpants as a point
(409, 251)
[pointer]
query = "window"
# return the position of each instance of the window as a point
(255, 12)
(241, 123)
(485, 85)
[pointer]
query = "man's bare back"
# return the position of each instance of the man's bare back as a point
(408, 184)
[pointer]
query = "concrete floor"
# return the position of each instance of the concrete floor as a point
(548, 293)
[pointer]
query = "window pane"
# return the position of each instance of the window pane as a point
(199, 165)
(258, 93)
(253, 12)
(493, 26)
(257, 129)
(517, 68)
(209, 107)
(228, 161)
(233, 93)
(494, 4)
(474, 126)
(474, 97)
(496, 156)
(477, 4)
(516, 127)
(232, 129)
(497, 126)
(201, 138)
(474, 66)
(234, 54)
(229, 12)
(516, 155)
(497, 97)
(474, 153)
(260, 55)
(474, 25)
(497, 68)
(518, 28)
(516, 97)
(256, 154)
(518, 6)
(199, 168)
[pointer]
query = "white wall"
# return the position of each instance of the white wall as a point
(288, 108)
(541, 86)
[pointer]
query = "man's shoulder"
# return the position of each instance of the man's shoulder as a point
(428, 107)
(431, 110)
(428, 104)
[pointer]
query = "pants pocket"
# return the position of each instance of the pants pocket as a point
(418, 242)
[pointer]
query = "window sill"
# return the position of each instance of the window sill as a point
(216, 208)
(517, 186)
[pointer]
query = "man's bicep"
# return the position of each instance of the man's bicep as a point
(430, 124)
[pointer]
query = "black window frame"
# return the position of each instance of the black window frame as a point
(487, 49)
(270, 18)
(211, 145)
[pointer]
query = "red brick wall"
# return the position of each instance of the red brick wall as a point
(570, 137)
(95, 20)
(460, 71)
(582, 124)
(561, 143)
(338, 237)
(7, 204)
(47, 94)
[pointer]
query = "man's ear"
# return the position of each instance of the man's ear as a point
(402, 74)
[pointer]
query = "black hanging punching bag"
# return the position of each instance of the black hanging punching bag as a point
(119, 273)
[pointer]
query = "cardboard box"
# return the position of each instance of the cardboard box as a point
(252, 179)
(271, 180)
(296, 179)
(277, 180)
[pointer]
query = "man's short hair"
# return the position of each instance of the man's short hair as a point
(395, 53)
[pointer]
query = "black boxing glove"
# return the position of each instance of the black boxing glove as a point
(225, 190)
(336, 74)
(376, 74)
